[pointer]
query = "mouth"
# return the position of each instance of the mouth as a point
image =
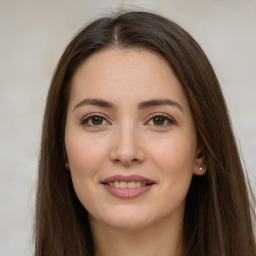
(127, 187)
(124, 184)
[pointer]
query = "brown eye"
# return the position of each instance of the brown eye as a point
(158, 120)
(161, 121)
(97, 120)
(94, 120)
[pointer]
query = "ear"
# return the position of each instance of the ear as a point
(67, 166)
(200, 167)
(65, 153)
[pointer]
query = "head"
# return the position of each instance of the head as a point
(213, 200)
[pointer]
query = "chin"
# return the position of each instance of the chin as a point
(127, 219)
(129, 224)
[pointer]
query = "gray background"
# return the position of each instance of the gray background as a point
(33, 36)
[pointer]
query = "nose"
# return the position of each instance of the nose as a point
(126, 148)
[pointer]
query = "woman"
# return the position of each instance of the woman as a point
(138, 155)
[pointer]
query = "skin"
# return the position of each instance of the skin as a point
(127, 140)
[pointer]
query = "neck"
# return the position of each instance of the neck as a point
(161, 239)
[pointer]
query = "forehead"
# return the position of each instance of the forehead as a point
(130, 73)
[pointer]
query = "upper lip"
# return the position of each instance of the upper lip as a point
(127, 179)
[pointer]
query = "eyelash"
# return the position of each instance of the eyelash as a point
(167, 118)
(88, 118)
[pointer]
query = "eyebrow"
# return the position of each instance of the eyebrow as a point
(94, 102)
(159, 102)
(142, 105)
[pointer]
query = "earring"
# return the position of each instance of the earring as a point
(201, 168)
(66, 166)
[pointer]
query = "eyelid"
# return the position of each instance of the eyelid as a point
(151, 116)
(166, 116)
(88, 116)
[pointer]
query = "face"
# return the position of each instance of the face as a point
(130, 139)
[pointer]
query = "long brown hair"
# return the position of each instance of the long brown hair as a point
(218, 219)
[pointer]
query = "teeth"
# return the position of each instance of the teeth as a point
(123, 184)
(138, 184)
(130, 184)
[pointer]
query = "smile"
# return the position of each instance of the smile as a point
(127, 187)
(130, 184)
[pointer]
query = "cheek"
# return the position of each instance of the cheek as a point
(175, 153)
(175, 159)
(84, 155)
(85, 158)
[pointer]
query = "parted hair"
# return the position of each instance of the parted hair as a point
(218, 219)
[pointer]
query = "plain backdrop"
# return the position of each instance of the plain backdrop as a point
(33, 35)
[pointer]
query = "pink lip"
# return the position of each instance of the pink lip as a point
(127, 179)
(127, 193)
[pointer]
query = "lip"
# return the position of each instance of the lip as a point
(127, 179)
(127, 193)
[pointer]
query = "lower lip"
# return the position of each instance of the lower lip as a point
(127, 193)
